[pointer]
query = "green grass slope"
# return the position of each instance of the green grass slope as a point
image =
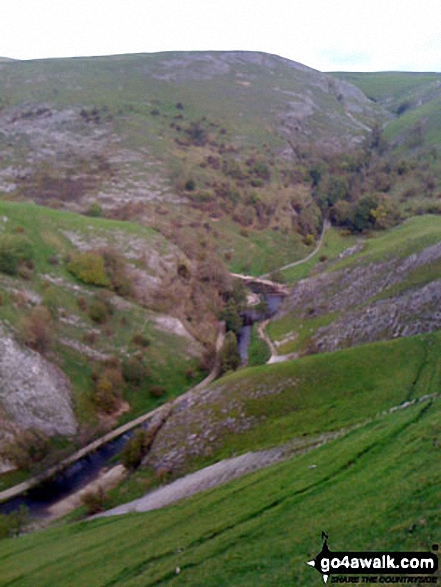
(297, 401)
(80, 344)
(213, 144)
(414, 98)
(412, 246)
(374, 489)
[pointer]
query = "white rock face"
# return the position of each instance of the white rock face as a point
(34, 393)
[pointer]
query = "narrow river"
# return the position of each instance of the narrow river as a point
(252, 315)
(87, 469)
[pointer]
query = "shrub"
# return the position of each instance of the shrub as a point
(229, 356)
(15, 249)
(82, 303)
(135, 370)
(190, 185)
(97, 311)
(140, 340)
(89, 267)
(53, 260)
(94, 501)
(163, 474)
(94, 210)
(25, 271)
(136, 449)
(37, 329)
(115, 270)
(12, 524)
(26, 449)
(157, 391)
(108, 390)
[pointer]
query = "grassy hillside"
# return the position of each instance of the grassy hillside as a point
(211, 144)
(383, 274)
(412, 97)
(298, 401)
(97, 325)
(127, 185)
(373, 489)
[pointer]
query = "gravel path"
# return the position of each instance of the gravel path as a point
(195, 482)
(229, 469)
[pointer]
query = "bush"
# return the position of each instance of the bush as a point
(15, 249)
(94, 210)
(157, 391)
(26, 449)
(135, 370)
(108, 390)
(94, 501)
(37, 329)
(82, 303)
(97, 311)
(140, 340)
(136, 449)
(115, 265)
(89, 267)
(12, 524)
(190, 185)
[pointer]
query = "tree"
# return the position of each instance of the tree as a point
(108, 390)
(332, 188)
(26, 449)
(229, 356)
(363, 217)
(231, 317)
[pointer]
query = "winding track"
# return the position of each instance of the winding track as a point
(326, 226)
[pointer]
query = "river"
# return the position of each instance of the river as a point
(86, 469)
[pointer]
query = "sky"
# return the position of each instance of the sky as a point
(328, 35)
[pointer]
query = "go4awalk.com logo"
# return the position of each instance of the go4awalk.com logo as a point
(415, 568)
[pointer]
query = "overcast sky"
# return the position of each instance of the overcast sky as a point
(329, 35)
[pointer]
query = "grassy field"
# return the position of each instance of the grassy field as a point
(334, 243)
(376, 488)
(307, 397)
(412, 236)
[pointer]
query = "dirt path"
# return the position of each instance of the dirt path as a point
(218, 474)
(275, 357)
(196, 482)
(229, 469)
(326, 226)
